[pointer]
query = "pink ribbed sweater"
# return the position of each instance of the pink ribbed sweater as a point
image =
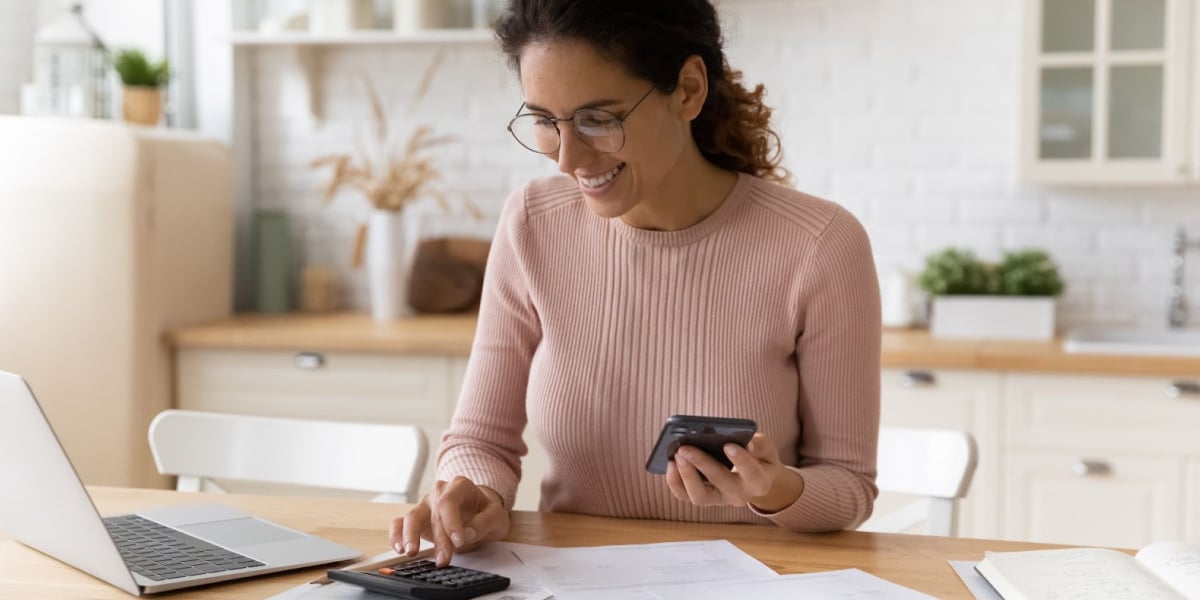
(595, 332)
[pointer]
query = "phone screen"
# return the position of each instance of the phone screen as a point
(709, 434)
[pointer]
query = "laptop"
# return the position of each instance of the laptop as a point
(44, 505)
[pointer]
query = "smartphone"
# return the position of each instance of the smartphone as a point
(709, 434)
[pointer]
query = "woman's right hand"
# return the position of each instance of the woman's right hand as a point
(457, 516)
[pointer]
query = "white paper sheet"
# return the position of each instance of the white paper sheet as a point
(846, 584)
(976, 584)
(628, 571)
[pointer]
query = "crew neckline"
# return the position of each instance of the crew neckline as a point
(688, 235)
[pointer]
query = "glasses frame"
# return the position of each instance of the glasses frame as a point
(556, 120)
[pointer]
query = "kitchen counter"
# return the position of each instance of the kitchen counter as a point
(451, 335)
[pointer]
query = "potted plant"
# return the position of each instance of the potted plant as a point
(142, 99)
(1012, 299)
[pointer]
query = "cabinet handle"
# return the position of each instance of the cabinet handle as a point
(912, 379)
(1183, 389)
(309, 360)
(1085, 467)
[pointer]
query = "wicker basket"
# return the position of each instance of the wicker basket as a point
(142, 105)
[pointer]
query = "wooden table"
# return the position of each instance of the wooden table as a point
(918, 562)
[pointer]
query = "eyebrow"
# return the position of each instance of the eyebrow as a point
(593, 104)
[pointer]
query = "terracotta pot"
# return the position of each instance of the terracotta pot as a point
(142, 105)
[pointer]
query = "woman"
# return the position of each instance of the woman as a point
(666, 273)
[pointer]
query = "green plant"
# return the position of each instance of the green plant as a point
(955, 271)
(1027, 273)
(135, 70)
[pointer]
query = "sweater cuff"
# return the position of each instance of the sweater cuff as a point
(824, 505)
(499, 478)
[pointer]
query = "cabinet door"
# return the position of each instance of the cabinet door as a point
(1086, 499)
(1106, 91)
(949, 399)
(1192, 502)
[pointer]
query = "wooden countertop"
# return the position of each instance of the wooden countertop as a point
(452, 334)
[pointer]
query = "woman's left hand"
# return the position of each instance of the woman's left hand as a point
(758, 477)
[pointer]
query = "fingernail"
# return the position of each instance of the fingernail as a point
(410, 548)
(457, 538)
(731, 450)
(751, 446)
(396, 547)
(469, 534)
(441, 558)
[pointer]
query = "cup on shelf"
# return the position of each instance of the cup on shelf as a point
(331, 17)
(410, 16)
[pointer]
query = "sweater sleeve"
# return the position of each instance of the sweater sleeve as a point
(838, 358)
(484, 440)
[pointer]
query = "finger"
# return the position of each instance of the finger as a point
(761, 448)
(675, 483)
(754, 474)
(443, 546)
(413, 525)
(460, 493)
(727, 483)
(698, 491)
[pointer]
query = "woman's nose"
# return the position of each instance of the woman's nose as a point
(572, 152)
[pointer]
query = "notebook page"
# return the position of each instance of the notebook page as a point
(1177, 563)
(1079, 574)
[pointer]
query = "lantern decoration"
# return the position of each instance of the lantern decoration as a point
(71, 75)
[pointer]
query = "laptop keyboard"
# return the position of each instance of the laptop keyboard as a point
(159, 552)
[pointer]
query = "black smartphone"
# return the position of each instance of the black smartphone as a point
(709, 434)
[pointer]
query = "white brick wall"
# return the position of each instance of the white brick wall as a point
(904, 112)
(17, 20)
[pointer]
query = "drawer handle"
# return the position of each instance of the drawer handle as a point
(309, 360)
(1183, 389)
(912, 379)
(1086, 468)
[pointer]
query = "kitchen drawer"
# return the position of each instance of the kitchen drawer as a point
(1139, 414)
(1118, 499)
(1192, 501)
(347, 386)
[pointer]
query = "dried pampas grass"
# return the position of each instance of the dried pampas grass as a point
(391, 177)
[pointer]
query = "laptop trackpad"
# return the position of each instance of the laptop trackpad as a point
(239, 533)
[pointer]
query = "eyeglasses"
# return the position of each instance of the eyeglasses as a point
(599, 129)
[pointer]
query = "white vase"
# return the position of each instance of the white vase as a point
(391, 240)
(993, 317)
(410, 16)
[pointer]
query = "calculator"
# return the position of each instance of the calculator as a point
(424, 580)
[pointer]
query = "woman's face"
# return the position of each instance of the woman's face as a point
(560, 77)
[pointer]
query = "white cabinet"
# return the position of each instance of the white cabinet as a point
(1097, 460)
(420, 390)
(1192, 502)
(1107, 91)
(951, 399)
(1091, 499)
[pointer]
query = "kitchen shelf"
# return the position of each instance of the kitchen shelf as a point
(362, 38)
(307, 46)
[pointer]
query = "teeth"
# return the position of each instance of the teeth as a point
(595, 182)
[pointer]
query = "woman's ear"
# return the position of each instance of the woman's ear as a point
(692, 88)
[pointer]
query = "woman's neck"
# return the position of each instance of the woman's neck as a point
(690, 193)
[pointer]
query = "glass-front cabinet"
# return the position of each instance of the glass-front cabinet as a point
(1108, 96)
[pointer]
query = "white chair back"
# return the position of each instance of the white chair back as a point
(936, 464)
(199, 447)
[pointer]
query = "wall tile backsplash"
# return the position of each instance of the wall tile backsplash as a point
(904, 112)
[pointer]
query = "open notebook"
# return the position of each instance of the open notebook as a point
(1162, 570)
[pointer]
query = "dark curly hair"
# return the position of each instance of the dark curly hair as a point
(652, 39)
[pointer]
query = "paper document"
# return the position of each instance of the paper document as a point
(847, 584)
(976, 584)
(628, 571)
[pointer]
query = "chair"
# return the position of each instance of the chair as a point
(200, 447)
(936, 464)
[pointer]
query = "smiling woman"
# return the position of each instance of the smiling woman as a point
(667, 272)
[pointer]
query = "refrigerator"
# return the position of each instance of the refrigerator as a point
(110, 235)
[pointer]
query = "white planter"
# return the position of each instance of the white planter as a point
(993, 317)
(391, 241)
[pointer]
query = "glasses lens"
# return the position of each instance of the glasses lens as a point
(535, 132)
(599, 129)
